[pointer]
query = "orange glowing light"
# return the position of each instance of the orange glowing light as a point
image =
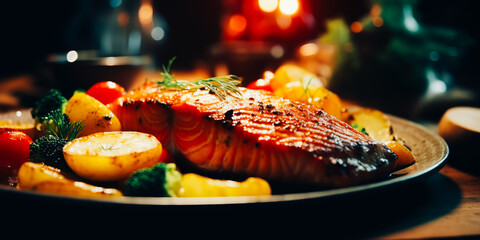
(289, 7)
(145, 13)
(268, 5)
(377, 21)
(356, 27)
(123, 18)
(284, 21)
(308, 49)
(376, 10)
(237, 24)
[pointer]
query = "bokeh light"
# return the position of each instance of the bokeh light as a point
(268, 5)
(289, 7)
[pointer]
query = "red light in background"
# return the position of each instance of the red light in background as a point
(236, 25)
(356, 27)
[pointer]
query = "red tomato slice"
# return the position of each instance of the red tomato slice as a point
(106, 92)
(260, 84)
(14, 150)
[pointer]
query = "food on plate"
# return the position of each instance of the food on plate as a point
(290, 74)
(106, 92)
(14, 151)
(161, 180)
(49, 150)
(11, 125)
(263, 83)
(164, 180)
(94, 114)
(295, 83)
(110, 156)
(174, 138)
(194, 185)
(58, 130)
(377, 125)
(47, 179)
(374, 122)
(255, 134)
(49, 101)
(405, 156)
(166, 157)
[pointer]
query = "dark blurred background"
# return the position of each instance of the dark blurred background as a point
(32, 30)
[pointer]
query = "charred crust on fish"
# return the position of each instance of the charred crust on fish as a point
(228, 115)
(276, 112)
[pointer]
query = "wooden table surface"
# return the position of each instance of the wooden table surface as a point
(452, 208)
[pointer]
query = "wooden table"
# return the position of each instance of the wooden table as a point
(452, 208)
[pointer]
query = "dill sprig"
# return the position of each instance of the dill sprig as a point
(58, 124)
(221, 86)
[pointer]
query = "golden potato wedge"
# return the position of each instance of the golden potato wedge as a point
(43, 178)
(76, 188)
(375, 122)
(31, 174)
(110, 156)
(96, 116)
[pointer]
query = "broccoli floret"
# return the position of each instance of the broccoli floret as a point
(161, 180)
(48, 102)
(58, 124)
(49, 151)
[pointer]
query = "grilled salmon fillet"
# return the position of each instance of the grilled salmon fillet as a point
(257, 135)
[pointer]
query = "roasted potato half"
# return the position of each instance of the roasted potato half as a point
(377, 125)
(295, 83)
(375, 122)
(111, 156)
(96, 116)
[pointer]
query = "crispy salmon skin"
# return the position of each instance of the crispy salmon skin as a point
(256, 135)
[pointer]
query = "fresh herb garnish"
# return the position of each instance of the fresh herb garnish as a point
(362, 130)
(221, 86)
(58, 124)
(108, 147)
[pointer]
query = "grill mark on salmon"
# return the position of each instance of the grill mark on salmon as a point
(258, 135)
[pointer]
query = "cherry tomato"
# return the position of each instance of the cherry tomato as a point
(106, 92)
(14, 151)
(166, 157)
(260, 84)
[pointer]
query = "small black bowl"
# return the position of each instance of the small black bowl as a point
(80, 70)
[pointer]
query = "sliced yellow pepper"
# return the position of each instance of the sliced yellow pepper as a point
(194, 185)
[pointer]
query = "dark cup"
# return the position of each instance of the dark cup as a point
(80, 70)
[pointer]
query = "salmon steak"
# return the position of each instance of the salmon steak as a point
(257, 134)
